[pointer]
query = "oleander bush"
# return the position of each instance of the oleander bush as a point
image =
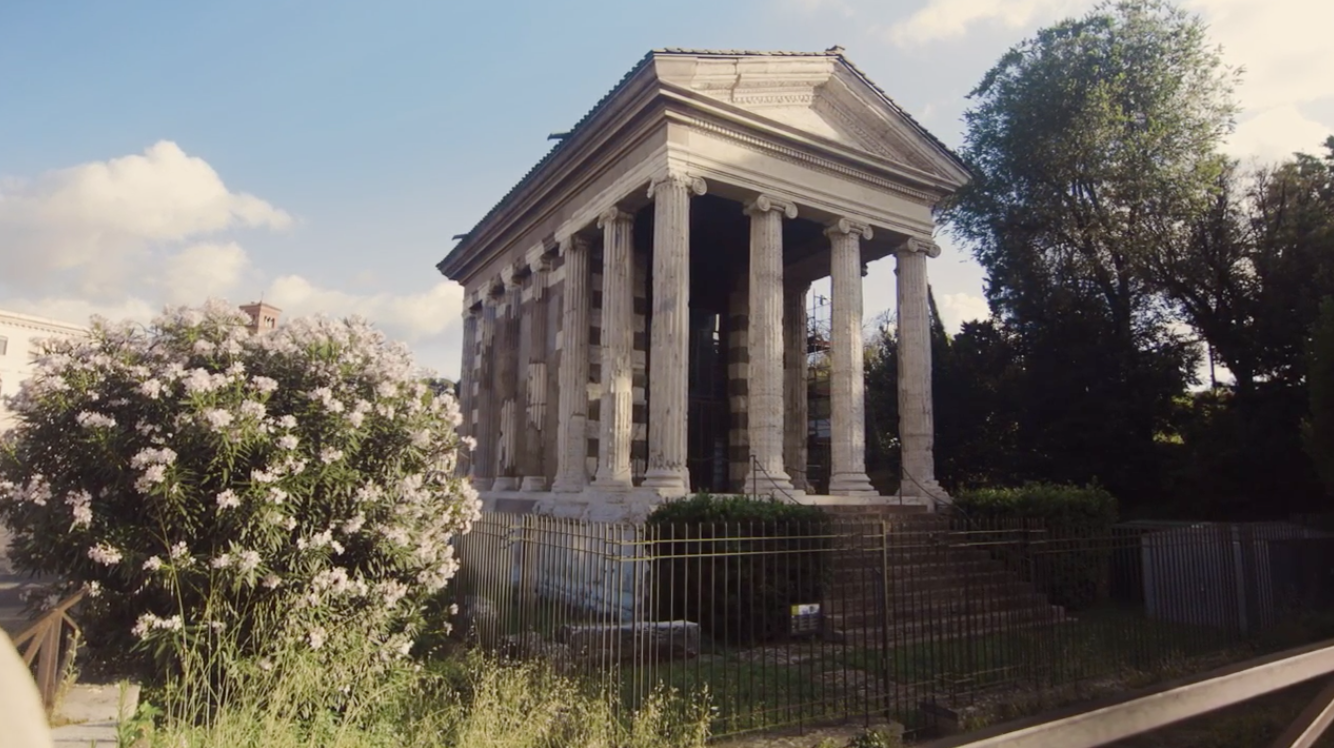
(225, 496)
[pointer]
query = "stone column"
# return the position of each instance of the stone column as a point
(572, 439)
(484, 457)
(530, 455)
(467, 380)
(507, 348)
(916, 427)
(765, 416)
(797, 420)
(670, 334)
(618, 300)
(847, 473)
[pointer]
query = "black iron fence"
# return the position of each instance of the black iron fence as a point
(916, 618)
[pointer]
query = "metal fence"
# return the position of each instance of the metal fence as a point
(918, 619)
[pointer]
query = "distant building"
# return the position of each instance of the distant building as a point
(262, 316)
(19, 335)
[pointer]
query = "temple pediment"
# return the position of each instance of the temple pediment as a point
(823, 96)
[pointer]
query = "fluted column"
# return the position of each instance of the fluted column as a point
(530, 455)
(507, 348)
(765, 414)
(484, 459)
(617, 351)
(670, 339)
(572, 440)
(467, 378)
(916, 423)
(847, 474)
(797, 419)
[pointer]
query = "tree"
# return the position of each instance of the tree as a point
(1092, 144)
(231, 496)
(1319, 427)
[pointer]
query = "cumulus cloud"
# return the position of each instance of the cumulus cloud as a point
(121, 238)
(958, 308)
(411, 316)
(940, 20)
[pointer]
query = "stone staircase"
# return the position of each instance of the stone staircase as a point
(939, 584)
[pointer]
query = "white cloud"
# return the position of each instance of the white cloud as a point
(121, 238)
(1276, 133)
(412, 317)
(958, 308)
(940, 20)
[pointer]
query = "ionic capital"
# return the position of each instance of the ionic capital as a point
(573, 242)
(766, 203)
(847, 226)
(685, 181)
(918, 244)
(614, 215)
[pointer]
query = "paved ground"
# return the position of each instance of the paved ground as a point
(92, 713)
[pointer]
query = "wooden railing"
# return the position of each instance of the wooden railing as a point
(1111, 720)
(45, 646)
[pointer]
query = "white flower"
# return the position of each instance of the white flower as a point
(203, 346)
(277, 495)
(271, 581)
(356, 419)
(105, 554)
(148, 622)
(287, 422)
(151, 456)
(287, 441)
(81, 508)
(154, 475)
(235, 369)
(153, 563)
(253, 409)
(221, 562)
(264, 385)
(180, 551)
(89, 420)
(354, 524)
(266, 664)
(228, 500)
(217, 418)
(421, 439)
(199, 380)
(151, 388)
(94, 588)
(247, 561)
(329, 455)
(316, 637)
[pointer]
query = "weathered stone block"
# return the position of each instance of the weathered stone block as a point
(655, 640)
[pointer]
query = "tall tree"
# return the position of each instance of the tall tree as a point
(1319, 426)
(1092, 144)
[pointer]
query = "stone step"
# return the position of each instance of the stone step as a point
(862, 613)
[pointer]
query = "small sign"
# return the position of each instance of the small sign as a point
(806, 619)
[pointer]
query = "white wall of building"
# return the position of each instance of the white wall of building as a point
(19, 334)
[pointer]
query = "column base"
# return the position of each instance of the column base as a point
(568, 485)
(851, 484)
(779, 485)
(666, 483)
(928, 492)
(505, 483)
(482, 484)
(533, 483)
(612, 485)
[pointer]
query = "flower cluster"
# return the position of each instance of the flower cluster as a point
(199, 476)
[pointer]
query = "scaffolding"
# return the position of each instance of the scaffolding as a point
(818, 367)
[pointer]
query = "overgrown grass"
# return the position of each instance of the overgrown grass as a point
(472, 701)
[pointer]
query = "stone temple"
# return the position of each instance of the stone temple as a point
(635, 322)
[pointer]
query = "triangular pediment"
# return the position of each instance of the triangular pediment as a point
(818, 95)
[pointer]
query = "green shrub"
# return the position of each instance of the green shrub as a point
(736, 565)
(1067, 554)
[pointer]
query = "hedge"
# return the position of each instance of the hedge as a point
(736, 565)
(1069, 559)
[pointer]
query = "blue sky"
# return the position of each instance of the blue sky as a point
(323, 154)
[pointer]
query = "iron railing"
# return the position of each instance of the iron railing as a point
(917, 618)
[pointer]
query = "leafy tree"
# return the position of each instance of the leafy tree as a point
(1092, 144)
(1319, 427)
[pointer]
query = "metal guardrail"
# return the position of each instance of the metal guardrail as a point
(1139, 712)
(45, 639)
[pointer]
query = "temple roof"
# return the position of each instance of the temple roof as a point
(648, 59)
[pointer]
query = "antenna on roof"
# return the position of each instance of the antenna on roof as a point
(456, 237)
(558, 136)
(835, 50)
